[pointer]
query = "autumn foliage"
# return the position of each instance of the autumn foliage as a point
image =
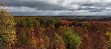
(55, 33)
(35, 32)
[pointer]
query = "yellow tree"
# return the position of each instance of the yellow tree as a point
(108, 34)
(7, 30)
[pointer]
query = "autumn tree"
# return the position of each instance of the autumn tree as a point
(74, 23)
(86, 42)
(71, 39)
(58, 42)
(108, 34)
(97, 35)
(7, 30)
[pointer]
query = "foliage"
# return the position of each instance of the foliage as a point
(53, 33)
(71, 39)
(31, 42)
(47, 21)
(7, 30)
(108, 34)
(58, 42)
(27, 22)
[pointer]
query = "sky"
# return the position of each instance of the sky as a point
(59, 7)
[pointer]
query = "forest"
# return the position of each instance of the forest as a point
(37, 32)
(55, 33)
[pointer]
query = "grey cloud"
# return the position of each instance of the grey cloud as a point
(85, 8)
(34, 14)
(38, 4)
(97, 4)
(52, 9)
(90, 4)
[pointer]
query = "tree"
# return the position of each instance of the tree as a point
(74, 23)
(108, 34)
(7, 30)
(29, 22)
(58, 42)
(86, 42)
(85, 24)
(23, 35)
(71, 39)
(97, 35)
(22, 23)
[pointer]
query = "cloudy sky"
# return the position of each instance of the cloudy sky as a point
(59, 7)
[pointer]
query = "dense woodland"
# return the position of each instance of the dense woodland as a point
(31, 32)
(55, 33)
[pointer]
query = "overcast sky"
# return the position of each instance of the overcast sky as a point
(59, 7)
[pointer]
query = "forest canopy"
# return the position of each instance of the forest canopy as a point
(37, 32)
